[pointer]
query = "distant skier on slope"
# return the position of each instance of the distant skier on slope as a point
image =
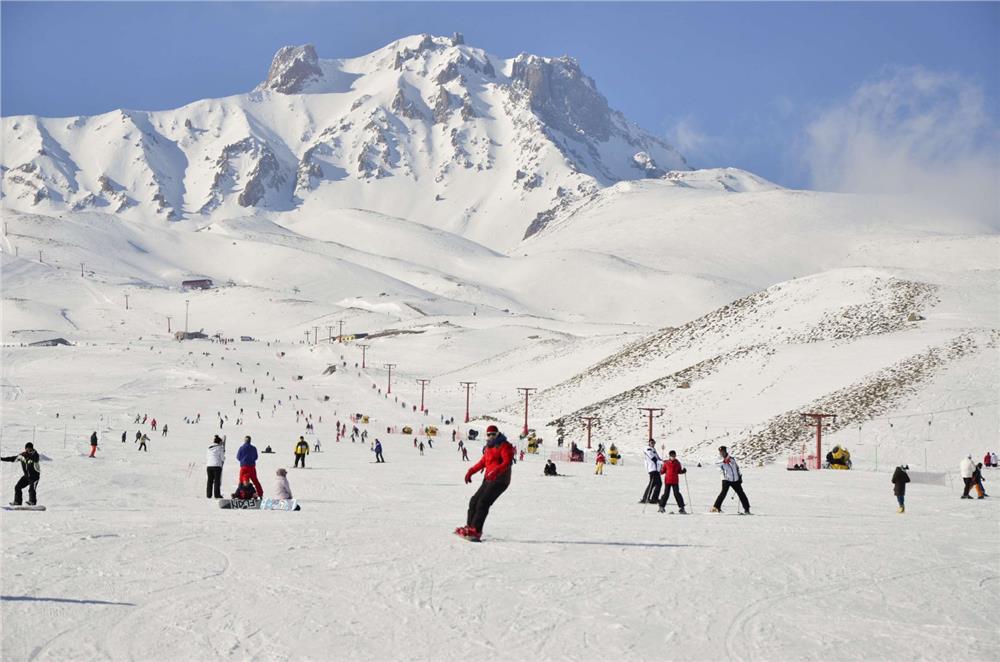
(731, 477)
(496, 461)
(899, 480)
(653, 462)
(378, 451)
(672, 471)
(31, 474)
(301, 450)
(93, 444)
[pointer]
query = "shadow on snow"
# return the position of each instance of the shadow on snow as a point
(30, 598)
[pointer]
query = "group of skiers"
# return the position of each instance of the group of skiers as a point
(672, 470)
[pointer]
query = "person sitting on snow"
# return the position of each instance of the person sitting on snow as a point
(550, 468)
(245, 491)
(282, 490)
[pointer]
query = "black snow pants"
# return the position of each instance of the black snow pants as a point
(968, 486)
(652, 493)
(214, 487)
(30, 483)
(677, 495)
(378, 456)
(479, 504)
(302, 459)
(737, 486)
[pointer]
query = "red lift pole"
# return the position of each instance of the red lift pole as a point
(589, 419)
(390, 366)
(651, 411)
(423, 383)
(527, 391)
(364, 349)
(468, 387)
(817, 422)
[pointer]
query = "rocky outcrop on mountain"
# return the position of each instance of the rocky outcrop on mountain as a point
(441, 105)
(562, 96)
(292, 68)
(265, 173)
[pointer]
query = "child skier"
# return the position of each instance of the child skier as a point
(599, 470)
(672, 471)
(899, 480)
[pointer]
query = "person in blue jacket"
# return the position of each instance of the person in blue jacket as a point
(378, 451)
(247, 457)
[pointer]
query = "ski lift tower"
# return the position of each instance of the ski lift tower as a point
(817, 421)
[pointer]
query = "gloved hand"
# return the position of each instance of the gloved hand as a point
(468, 476)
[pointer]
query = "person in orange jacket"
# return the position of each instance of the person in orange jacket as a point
(496, 461)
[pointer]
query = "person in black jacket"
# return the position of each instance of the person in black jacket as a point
(899, 480)
(29, 465)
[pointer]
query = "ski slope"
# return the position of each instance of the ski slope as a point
(131, 562)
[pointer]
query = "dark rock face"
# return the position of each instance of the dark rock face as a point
(292, 68)
(563, 96)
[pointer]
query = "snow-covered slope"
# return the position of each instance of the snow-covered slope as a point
(425, 127)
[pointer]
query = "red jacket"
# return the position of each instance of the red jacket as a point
(496, 460)
(671, 471)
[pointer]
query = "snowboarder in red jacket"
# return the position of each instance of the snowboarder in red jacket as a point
(496, 461)
(672, 471)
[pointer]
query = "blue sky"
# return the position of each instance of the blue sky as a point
(731, 83)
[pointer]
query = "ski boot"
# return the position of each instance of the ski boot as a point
(901, 510)
(461, 531)
(715, 510)
(14, 503)
(471, 534)
(661, 509)
(682, 512)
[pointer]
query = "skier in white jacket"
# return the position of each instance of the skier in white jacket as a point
(731, 477)
(653, 464)
(215, 458)
(967, 467)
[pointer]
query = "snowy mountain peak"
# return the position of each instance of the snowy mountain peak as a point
(426, 127)
(291, 69)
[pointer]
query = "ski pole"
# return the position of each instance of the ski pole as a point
(688, 489)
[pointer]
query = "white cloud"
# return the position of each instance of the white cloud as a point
(915, 133)
(694, 144)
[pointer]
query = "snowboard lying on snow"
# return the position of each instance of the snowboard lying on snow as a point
(258, 504)
(24, 508)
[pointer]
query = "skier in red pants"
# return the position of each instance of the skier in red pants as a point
(496, 461)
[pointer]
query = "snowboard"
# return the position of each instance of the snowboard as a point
(239, 504)
(37, 508)
(277, 504)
